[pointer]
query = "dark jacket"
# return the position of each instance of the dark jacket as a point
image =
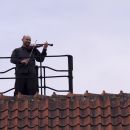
(22, 53)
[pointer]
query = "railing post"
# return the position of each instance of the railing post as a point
(70, 69)
(41, 76)
(44, 81)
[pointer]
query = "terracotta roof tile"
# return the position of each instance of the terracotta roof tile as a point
(69, 112)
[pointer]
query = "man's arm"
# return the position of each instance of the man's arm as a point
(14, 57)
(41, 56)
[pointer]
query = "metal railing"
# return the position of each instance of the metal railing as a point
(42, 75)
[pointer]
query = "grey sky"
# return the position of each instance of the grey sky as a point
(95, 32)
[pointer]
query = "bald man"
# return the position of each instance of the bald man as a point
(26, 76)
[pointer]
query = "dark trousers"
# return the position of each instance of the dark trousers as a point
(26, 84)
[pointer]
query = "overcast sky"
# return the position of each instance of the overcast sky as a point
(95, 32)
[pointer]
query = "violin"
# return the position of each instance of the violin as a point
(33, 46)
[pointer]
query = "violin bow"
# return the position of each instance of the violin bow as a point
(32, 51)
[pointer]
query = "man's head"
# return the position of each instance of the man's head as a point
(26, 40)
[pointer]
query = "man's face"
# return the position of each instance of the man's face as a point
(26, 40)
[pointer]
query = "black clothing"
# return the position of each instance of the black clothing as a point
(26, 75)
(27, 84)
(22, 53)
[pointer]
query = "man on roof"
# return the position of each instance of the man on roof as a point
(26, 75)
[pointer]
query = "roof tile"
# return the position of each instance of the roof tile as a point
(72, 111)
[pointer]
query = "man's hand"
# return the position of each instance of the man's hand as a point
(25, 61)
(45, 45)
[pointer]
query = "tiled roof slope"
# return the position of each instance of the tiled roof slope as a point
(68, 112)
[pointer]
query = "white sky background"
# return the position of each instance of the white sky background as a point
(95, 32)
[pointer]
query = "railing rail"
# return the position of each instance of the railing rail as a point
(42, 78)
